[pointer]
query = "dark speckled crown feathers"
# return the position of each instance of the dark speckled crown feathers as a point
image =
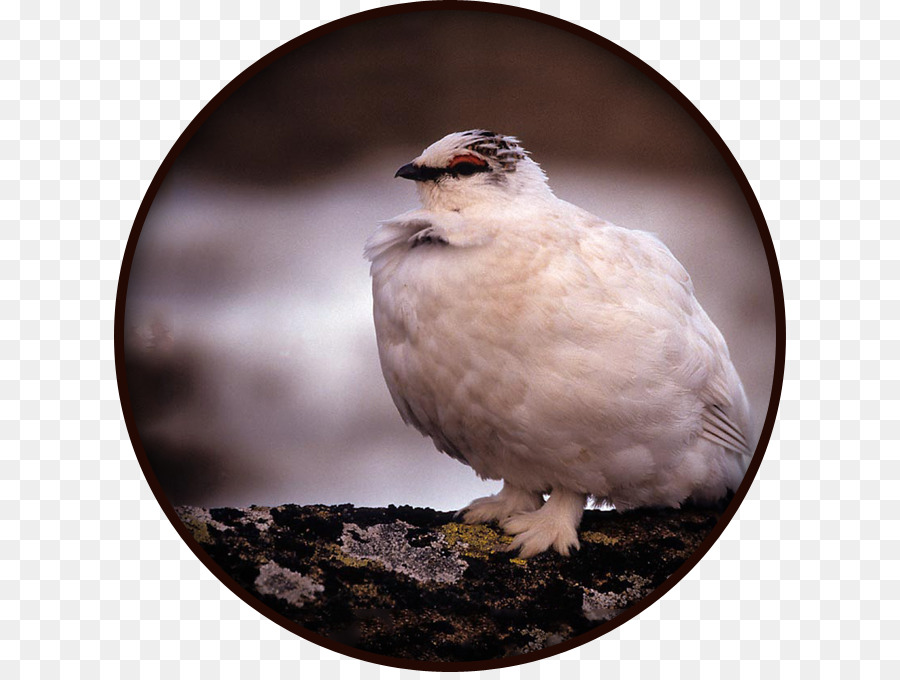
(505, 149)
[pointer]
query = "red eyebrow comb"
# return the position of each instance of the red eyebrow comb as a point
(467, 158)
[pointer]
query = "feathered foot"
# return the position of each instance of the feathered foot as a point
(500, 506)
(555, 525)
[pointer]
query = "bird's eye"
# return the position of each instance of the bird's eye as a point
(467, 165)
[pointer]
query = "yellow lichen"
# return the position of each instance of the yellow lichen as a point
(198, 521)
(199, 529)
(477, 540)
(598, 537)
(334, 552)
(371, 593)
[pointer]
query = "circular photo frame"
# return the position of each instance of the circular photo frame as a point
(606, 391)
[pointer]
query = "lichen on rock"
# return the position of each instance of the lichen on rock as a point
(603, 606)
(293, 588)
(413, 583)
(391, 546)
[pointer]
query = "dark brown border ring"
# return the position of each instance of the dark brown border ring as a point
(448, 5)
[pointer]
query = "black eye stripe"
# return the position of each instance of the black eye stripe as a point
(458, 170)
(425, 173)
(464, 168)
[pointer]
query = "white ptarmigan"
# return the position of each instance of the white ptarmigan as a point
(548, 348)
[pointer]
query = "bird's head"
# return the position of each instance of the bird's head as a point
(466, 168)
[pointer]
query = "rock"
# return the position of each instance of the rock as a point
(413, 583)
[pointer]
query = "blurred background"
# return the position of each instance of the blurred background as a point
(250, 352)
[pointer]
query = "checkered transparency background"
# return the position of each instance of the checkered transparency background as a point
(96, 583)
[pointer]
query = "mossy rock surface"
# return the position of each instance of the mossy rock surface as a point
(414, 583)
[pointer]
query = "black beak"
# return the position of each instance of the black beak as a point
(409, 171)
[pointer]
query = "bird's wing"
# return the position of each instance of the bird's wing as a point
(691, 352)
(720, 428)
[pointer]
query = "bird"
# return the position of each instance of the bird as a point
(548, 348)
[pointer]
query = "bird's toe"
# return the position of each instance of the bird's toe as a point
(481, 511)
(535, 534)
(499, 507)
